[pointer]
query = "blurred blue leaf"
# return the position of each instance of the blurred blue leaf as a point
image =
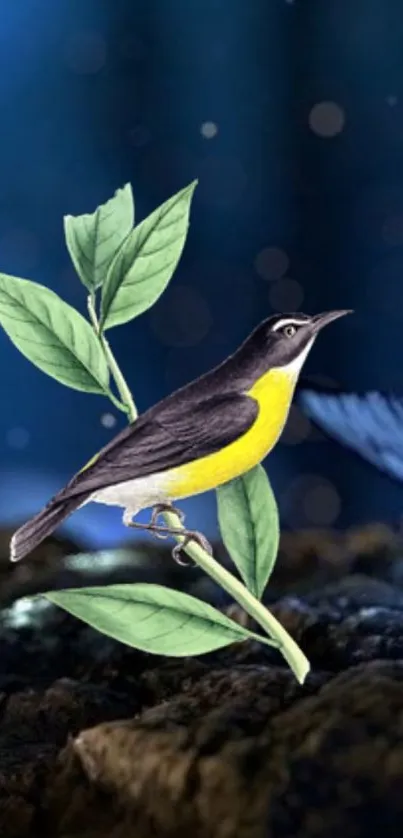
(370, 424)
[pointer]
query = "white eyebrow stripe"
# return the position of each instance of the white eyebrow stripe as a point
(289, 321)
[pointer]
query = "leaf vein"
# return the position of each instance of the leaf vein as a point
(34, 320)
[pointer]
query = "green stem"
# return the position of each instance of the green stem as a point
(118, 404)
(124, 392)
(121, 385)
(286, 645)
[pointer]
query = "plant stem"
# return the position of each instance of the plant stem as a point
(120, 382)
(124, 392)
(286, 645)
(115, 401)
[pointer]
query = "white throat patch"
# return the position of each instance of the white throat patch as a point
(294, 367)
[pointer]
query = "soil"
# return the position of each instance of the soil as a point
(99, 740)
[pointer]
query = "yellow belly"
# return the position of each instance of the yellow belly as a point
(273, 392)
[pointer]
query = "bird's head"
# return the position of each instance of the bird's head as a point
(285, 339)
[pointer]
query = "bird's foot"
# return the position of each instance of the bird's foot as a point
(160, 531)
(190, 535)
(160, 508)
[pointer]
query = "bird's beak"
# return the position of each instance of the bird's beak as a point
(321, 320)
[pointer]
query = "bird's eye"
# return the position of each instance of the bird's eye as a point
(289, 330)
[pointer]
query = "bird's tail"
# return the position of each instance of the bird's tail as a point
(27, 537)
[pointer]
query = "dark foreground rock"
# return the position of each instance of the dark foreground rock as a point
(100, 741)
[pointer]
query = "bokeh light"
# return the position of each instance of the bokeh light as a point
(271, 263)
(322, 504)
(327, 119)
(108, 420)
(311, 500)
(17, 438)
(209, 130)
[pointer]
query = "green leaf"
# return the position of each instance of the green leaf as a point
(249, 525)
(94, 240)
(146, 261)
(52, 335)
(153, 618)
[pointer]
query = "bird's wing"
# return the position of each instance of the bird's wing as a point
(167, 440)
(371, 424)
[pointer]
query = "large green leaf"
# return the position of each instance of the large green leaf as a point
(146, 261)
(152, 618)
(248, 519)
(52, 335)
(93, 240)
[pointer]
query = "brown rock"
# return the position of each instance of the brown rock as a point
(326, 762)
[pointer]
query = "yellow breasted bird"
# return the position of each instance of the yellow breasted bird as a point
(203, 435)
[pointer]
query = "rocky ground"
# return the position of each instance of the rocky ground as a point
(100, 741)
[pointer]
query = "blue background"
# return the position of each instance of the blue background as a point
(307, 104)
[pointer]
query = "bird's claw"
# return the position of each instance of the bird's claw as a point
(160, 531)
(163, 536)
(189, 536)
(160, 508)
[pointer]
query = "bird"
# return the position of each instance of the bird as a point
(203, 435)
